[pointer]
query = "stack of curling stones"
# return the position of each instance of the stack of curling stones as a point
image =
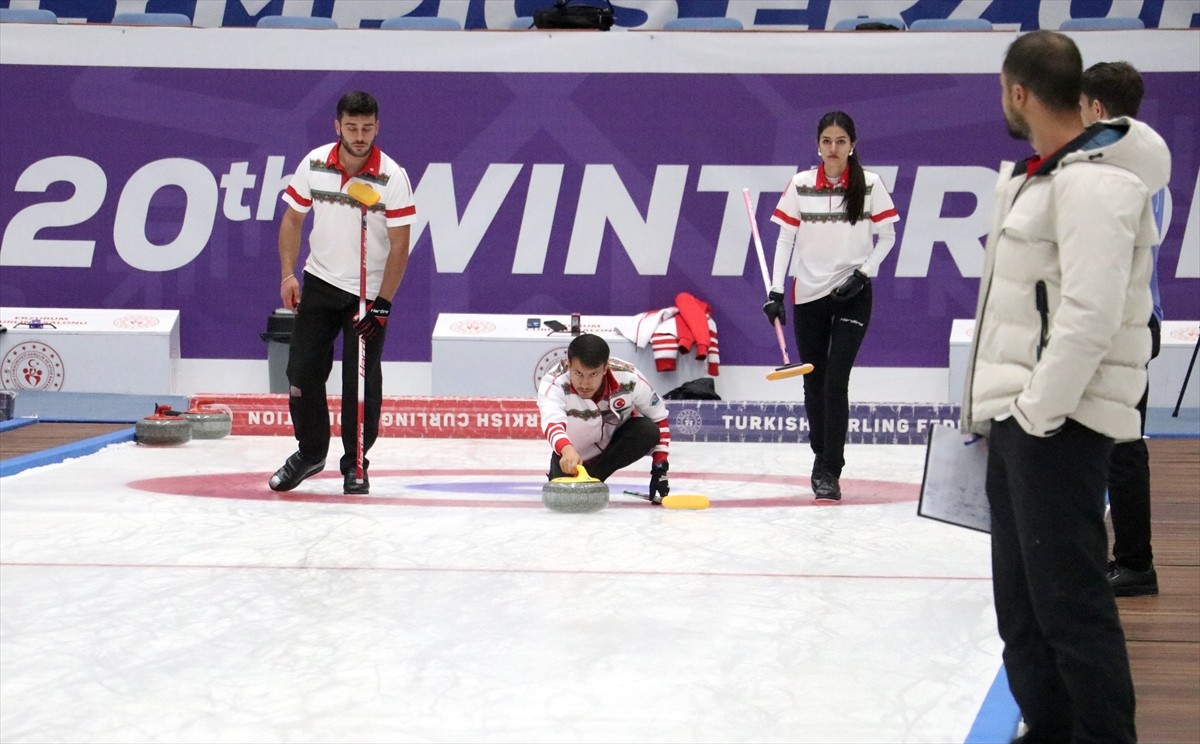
(168, 427)
(575, 494)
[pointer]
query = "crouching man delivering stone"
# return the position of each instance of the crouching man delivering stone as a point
(601, 413)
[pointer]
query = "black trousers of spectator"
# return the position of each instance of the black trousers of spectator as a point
(632, 441)
(1064, 649)
(829, 335)
(324, 312)
(1129, 488)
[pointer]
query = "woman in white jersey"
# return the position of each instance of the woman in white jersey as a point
(835, 228)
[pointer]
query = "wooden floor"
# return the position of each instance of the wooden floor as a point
(1163, 632)
(26, 440)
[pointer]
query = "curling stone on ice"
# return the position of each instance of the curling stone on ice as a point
(164, 427)
(208, 420)
(575, 494)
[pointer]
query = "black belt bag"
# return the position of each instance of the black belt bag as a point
(564, 14)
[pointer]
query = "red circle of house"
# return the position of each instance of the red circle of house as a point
(253, 486)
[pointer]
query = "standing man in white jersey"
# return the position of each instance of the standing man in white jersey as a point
(601, 413)
(328, 303)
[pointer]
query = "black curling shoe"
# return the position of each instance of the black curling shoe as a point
(350, 484)
(293, 472)
(828, 488)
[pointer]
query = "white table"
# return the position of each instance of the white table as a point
(79, 350)
(1167, 370)
(503, 356)
(961, 332)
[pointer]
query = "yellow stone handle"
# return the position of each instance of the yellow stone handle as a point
(581, 476)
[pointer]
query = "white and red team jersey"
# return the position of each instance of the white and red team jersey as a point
(817, 244)
(319, 184)
(588, 424)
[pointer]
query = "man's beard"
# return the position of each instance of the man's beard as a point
(1018, 130)
(350, 149)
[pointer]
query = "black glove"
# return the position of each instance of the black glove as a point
(854, 284)
(659, 488)
(773, 308)
(375, 320)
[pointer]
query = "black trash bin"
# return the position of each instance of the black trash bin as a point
(279, 339)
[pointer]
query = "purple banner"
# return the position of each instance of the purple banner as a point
(538, 193)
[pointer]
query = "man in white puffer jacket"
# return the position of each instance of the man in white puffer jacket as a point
(1057, 365)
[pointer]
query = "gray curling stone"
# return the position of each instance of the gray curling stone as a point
(576, 494)
(208, 424)
(163, 428)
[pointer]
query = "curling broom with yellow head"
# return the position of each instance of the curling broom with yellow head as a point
(678, 501)
(788, 369)
(366, 198)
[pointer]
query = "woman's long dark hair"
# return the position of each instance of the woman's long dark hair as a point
(856, 187)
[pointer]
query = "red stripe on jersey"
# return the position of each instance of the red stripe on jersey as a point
(556, 435)
(297, 198)
(408, 211)
(664, 437)
(884, 215)
(786, 218)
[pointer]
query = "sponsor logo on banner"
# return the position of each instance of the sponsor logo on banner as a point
(755, 422)
(136, 321)
(473, 327)
(544, 365)
(458, 418)
(687, 421)
(1186, 334)
(32, 365)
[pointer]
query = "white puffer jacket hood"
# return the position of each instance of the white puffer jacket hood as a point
(1129, 144)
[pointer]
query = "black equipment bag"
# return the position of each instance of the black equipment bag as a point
(702, 388)
(564, 14)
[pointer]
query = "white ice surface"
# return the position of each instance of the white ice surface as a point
(450, 606)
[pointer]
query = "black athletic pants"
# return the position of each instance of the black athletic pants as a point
(1129, 489)
(828, 335)
(632, 441)
(1064, 650)
(324, 312)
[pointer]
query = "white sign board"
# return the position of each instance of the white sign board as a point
(80, 350)
(952, 488)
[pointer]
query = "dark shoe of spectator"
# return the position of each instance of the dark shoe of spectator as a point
(1129, 583)
(295, 470)
(1027, 737)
